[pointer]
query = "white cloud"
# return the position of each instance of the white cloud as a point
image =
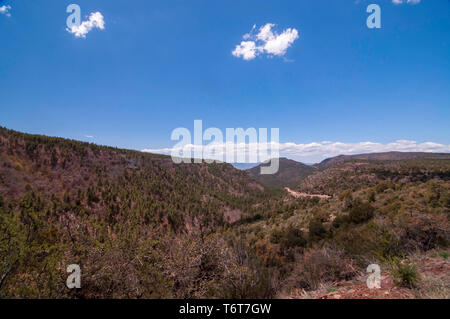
(246, 50)
(277, 45)
(265, 32)
(318, 151)
(95, 21)
(265, 41)
(5, 10)
(405, 1)
(89, 136)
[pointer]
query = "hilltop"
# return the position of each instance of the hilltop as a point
(290, 173)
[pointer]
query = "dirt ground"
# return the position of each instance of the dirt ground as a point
(434, 282)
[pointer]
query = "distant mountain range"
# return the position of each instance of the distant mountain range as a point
(292, 174)
(244, 166)
(386, 156)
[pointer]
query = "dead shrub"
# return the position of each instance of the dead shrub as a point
(424, 233)
(323, 265)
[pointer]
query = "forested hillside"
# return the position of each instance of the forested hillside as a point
(354, 173)
(64, 202)
(141, 226)
(290, 173)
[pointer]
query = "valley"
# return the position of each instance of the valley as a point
(141, 226)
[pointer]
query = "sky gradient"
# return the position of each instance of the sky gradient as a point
(159, 65)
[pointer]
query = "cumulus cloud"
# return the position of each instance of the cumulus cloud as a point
(5, 10)
(246, 50)
(95, 21)
(405, 1)
(315, 151)
(266, 41)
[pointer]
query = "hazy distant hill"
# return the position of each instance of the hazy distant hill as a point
(290, 173)
(244, 166)
(387, 156)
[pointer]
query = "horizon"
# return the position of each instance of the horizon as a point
(130, 75)
(235, 163)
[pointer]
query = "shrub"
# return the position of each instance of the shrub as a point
(245, 276)
(316, 230)
(319, 266)
(358, 214)
(445, 199)
(340, 221)
(423, 233)
(361, 213)
(175, 219)
(347, 198)
(275, 236)
(293, 237)
(371, 197)
(381, 187)
(433, 194)
(368, 241)
(405, 274)
(288, 238)
(444, 254)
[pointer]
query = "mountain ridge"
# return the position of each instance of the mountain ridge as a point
(292, 173)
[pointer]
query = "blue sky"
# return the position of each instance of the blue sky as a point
(159, 65)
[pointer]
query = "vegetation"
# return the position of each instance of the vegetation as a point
(141, 226)
(406, 274)
(290, 173)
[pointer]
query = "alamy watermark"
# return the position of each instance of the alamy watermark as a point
(74, 279)
(235, 146)
(374, 19)
(374, 279)
(74, 19)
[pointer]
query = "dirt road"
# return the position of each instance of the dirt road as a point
(305, 195)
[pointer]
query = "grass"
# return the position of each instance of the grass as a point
(433, 288)
(332, 289)
(444, 254)
(405, 274)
